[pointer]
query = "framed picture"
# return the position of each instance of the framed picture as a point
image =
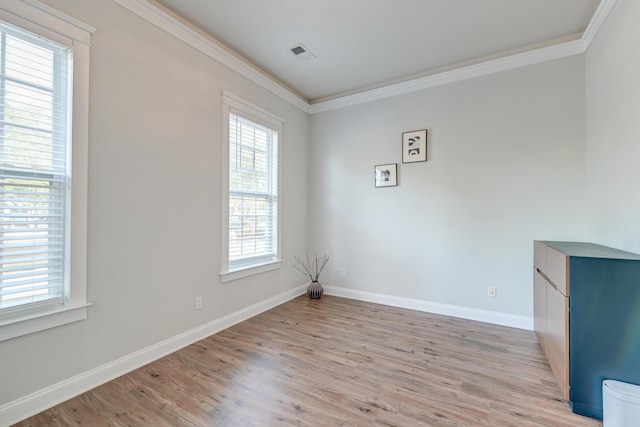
(386, 175)
(414, 146)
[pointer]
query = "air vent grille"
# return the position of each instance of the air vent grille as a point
(297, 50)
(302, 53)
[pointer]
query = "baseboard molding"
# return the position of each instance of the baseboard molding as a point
(497, 318)
(46, 398)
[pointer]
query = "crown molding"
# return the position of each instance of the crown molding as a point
(510, 62)
(215, 50)
(210, 47)
(597, 21)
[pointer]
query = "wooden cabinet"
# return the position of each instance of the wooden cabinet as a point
(586, 305)
(551, 310)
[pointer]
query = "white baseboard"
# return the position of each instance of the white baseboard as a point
(46, 398)
(497, 318)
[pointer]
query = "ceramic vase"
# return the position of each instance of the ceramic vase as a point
(315, 290)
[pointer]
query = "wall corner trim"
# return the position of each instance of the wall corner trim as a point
(494, 317)
(41, 400)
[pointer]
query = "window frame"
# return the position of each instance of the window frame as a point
(47, 22)
(240, 107)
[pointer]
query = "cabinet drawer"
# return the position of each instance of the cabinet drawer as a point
(557, 269)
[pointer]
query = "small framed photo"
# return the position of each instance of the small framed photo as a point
(386, 175)
(414, 146)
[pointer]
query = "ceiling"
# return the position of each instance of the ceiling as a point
(365, 44)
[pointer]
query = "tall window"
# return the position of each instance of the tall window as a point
(252, 226)
(43, 112)
(34, 178)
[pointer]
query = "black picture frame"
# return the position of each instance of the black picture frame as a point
(386, 175)
(414, 146)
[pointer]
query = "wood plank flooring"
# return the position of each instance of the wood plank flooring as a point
(335, 362)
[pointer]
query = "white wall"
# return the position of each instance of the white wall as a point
(505, 166)
(613, 130)
(154, 201)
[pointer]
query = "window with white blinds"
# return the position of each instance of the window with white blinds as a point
(34, 170)
(253, 193)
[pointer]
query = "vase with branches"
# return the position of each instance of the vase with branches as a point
(312, 269)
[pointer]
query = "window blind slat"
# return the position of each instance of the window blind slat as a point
(34, 275)
(35, 282)
(33, 260)
(14, 271)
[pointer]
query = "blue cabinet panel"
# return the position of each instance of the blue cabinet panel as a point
(604, 328)
(604, 321)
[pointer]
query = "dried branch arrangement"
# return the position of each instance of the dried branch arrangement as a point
(311, 268)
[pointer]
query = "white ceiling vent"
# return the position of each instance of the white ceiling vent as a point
(302, 53)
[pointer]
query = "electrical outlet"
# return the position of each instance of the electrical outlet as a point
(492, 292)
(343, 272)
(198, 303)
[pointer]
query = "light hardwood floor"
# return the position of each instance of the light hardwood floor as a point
(336, 362)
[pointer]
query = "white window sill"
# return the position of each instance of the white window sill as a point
(24, 325)
(229, 276)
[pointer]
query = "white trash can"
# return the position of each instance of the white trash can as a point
(620, 404)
